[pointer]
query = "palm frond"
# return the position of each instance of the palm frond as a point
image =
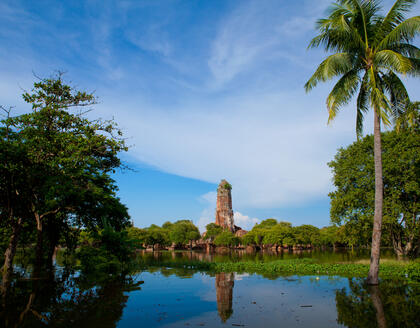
(409, 117)
(406, 49)
(399, 97)
(342, 92)
(332, 66)
(337, 31)
(395, 16)
(415, 70)
(393, 61)
(362, 104)
(403, 32)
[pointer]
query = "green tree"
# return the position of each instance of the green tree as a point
(184, 232)
(157, 236)
(306, 234)
(250, 238)
(353, 200)
(212, 231)
(226, 238)
(329, 236)
(66, 161)
(137, 236)
(267, 223)
(277, 234)
(370, 50)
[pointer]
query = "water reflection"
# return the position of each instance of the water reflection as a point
(391, 304)
(173, 297)
(224, 293)
(66, 300)
(337, 255)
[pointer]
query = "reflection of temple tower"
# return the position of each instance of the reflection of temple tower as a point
(224, 291)
(224, 212)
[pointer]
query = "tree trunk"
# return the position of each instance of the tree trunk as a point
(39, 243)
(8, 260)
(397, 244)
(372, 278)
(375, 296)
(11, 249)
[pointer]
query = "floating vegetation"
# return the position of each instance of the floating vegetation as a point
(404, 270)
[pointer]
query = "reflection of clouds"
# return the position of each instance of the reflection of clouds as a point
(208, 296)
(239, 277)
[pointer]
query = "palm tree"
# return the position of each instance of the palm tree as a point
(370, 51)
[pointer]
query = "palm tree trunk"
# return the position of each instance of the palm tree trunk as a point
(372, 278)
(375, 296)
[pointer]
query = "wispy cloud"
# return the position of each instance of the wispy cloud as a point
(208, 95)
(256, 33)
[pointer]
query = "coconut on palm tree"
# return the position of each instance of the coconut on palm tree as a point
(370, 52)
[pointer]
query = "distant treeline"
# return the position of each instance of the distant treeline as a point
(269, 234)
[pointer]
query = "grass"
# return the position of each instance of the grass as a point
(409, 271)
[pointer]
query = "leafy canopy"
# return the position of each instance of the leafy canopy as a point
(370, 51)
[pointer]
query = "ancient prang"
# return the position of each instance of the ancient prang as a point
(224, 212)
(224, 293)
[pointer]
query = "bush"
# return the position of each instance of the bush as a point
(104, 251)
(226, 238)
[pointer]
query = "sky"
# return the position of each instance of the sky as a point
(203, 91)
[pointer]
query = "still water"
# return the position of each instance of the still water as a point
(165, 297)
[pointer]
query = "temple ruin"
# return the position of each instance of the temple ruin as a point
(224, 292)
(224, 212)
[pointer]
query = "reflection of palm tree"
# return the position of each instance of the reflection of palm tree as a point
(375, 296)
(224, 291)
(392, 304)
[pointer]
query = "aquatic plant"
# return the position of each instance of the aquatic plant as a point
(409, 271)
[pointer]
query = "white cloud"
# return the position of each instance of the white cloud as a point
(244, 221)
(208, 214)
(273, 148)
(206, 217)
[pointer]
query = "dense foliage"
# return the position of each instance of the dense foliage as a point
(270, 233)
(352, 202)
(178, 235)
(55, 167)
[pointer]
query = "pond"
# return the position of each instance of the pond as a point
(178, 297)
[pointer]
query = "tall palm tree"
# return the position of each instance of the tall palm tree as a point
(369, 52)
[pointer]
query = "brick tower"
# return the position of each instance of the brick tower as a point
(224, 212)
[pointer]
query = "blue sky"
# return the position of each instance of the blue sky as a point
(203, 90)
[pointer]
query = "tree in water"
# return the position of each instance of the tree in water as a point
(58, 173)
(370, 51)
(352, 202)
